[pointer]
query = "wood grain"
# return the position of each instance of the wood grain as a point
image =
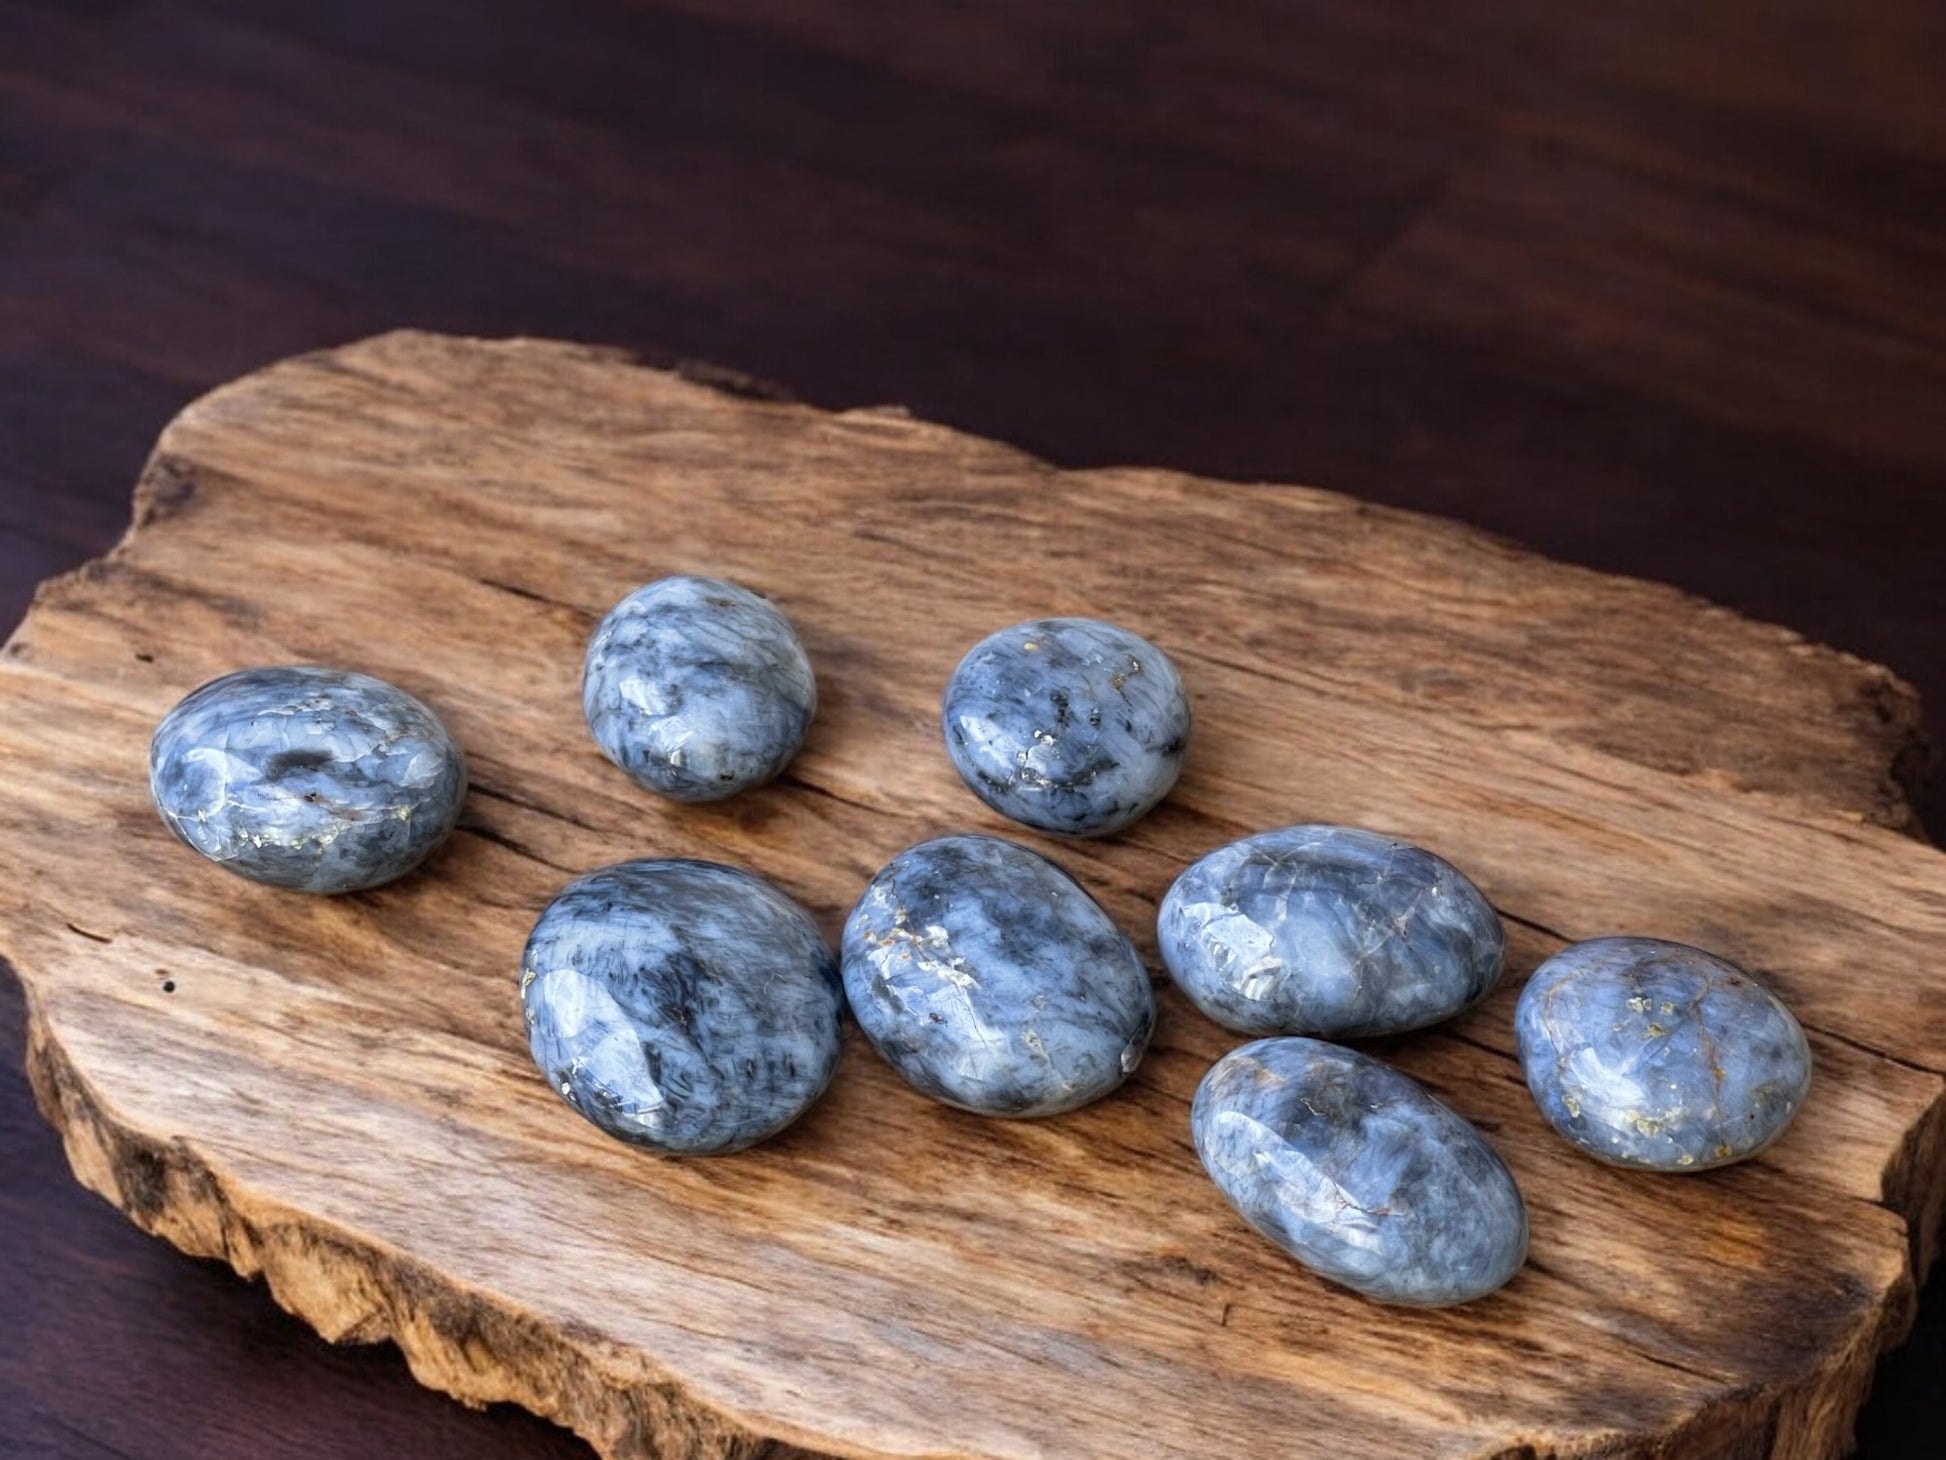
(333, 1093)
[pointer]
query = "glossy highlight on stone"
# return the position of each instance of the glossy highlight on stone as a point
(683, 1006)
(312, 779)
(989, 979)
(1359, 1173)
(1068, 725)
(1659, 1056)
(697, 688)
(1329, 931)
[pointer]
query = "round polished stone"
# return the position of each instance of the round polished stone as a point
(1658, 1055)
(1331, 931)
(1358, 1173)
(683, 1006)
(318, 780)
(987, 977)
(1067, 725)
(697, 688)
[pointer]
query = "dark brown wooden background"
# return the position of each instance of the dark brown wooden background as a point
(1659, 287)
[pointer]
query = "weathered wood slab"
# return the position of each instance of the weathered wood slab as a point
(333, 1093)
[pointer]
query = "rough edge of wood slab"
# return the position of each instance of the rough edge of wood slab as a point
(351, 1290)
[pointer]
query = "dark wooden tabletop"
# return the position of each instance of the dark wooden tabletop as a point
(1658, 287)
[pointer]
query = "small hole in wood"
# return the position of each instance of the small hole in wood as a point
(143, 657)
(168, 986)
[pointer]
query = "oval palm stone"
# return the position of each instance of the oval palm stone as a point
(684, 1006)
(1658, 1055)
(314, 779)
(1358, 1173)
(989, 979)
(1329, 931)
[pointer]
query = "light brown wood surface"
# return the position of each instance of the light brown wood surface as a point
(335, 1094)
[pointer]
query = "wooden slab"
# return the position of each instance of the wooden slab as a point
(334, 1093)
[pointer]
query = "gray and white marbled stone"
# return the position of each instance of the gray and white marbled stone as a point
(319, 780)
(991, 980)
(1359, 1173)
(1068, 725)
(697, 688)
(684, 1006)
(1331, 931)
(1660, 1056)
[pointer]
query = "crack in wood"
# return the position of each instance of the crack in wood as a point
(520, 849)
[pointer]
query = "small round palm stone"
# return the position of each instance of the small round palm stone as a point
(1660, 1056)
(697, 688)
(1068, 725)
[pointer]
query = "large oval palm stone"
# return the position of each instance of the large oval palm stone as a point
(1328, 931)
(314, 779)
(684, 1006)
(1358, 1173)
(991, 980)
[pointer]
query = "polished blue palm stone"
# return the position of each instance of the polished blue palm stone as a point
(1660, 1056)
(318, 780)
(1068, 725)
(989, 979)
(683, 1006)
(1359, 1173)
(697, 688)
(1329, 931)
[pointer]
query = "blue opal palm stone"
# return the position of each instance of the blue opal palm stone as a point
(1358, 1173)
(1330, 931)
(318, 780)
(697, 688)
(1067, 725)
(683, 1006)
(1659, 1056)
(990, 980)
